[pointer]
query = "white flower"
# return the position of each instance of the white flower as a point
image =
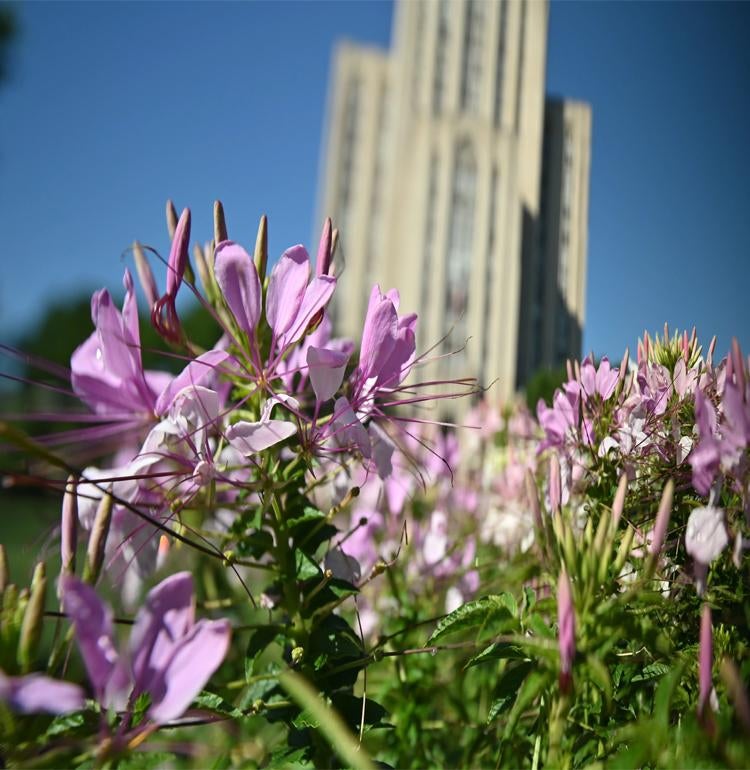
(706, 534)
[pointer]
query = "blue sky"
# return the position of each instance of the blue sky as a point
(110, 108)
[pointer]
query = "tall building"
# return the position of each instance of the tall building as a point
(435, 174)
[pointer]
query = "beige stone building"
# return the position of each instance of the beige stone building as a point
(433, 172)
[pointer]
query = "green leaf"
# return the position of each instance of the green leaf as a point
(259, 640)
(497, 651)
(651, 671)
(600, 676)
(500, 705)
(217, 704)
(478, 613)
(664, 693)
(306, 568)
(539, 627)
(331, 725)
(534, 683)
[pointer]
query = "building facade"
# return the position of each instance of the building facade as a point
(433, 174)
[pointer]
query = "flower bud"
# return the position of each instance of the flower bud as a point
(662, 520)
(69, 528)
(533, 498)
(555, 485)
(618, 504)
(33, 617)
(171, 215)
(261, 248)
(98, 539)
(624, 366)
(566, 630)
(323, 261)
(220, 225)
(145, 275)
(739, 366)
(624, 550)
(4, 572)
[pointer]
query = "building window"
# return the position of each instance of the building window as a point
(441, 55)
(521, 57)
(429, 237)
(500, 63)
(348, 152)
(460, 237)
(471, 66)
(375, 223)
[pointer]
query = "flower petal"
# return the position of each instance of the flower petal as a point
(93, 627)
(326, 369)
(166, 617)
(238, 279)
(195, 373)
(194, 660)
(286, 289)
(36, 692)
(253, 437)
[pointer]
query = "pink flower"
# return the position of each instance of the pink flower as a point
(169, 656)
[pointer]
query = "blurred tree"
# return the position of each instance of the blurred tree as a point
(543, 384)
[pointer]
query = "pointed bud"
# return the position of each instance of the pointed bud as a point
(145, 276)
(533, 498)
(98, 539)
(334, 245)
(4, 572)
(220, 224)
(640, 353)
(323, 261)
(566, 630)
(662, 520)
(171, 214)
(33, 617)
(624, 366)
(261, 248)
(178, 254)
(569, 369)
(69, 528)
(666, 333)
(705, 660)
(162, 552)
(739, 366)
(710, 354)
(555, 485)
(577, 370)
(623, 552)
(685, 347)
(618, 504)
(202, 267)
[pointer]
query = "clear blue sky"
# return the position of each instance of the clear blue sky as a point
(110, 108)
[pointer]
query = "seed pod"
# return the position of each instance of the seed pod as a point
(220, 224)
(261, 248)
(98, 539)
(4, 573)
(69, 528)
(33, 617)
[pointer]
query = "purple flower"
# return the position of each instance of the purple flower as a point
(36, 693)
(107, 372)
(601, 381)
(169, 656)
(387, 349)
